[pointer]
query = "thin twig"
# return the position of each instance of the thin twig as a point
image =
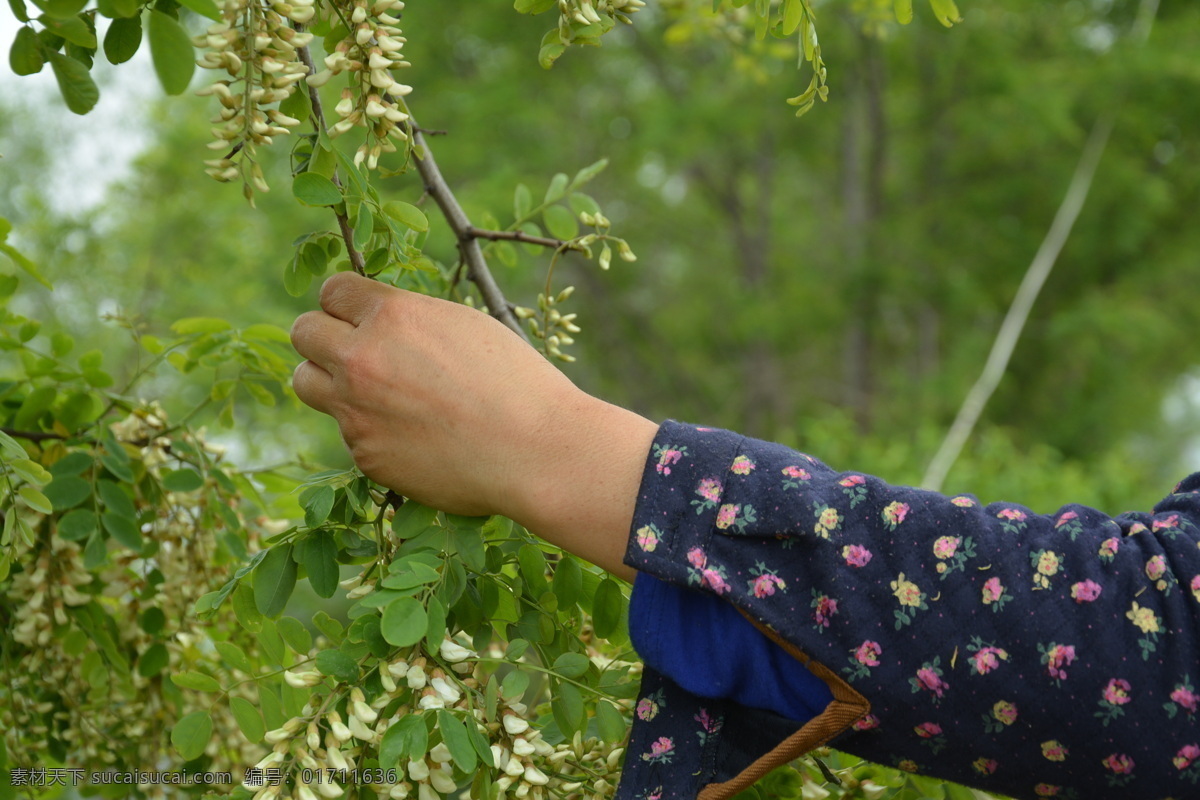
(33, 436)
(468, 243)
(515, 236)
(1031, 284)
(318, 114)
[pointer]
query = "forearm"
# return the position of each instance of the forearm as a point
(580, 488)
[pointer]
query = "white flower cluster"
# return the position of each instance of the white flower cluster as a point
(257, 47)
(526, 766)
(587, 12)
(59, 680)
(373, 100)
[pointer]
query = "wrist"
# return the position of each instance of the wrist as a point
(579, 488)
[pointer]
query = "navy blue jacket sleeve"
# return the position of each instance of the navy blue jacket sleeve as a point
(1032, 655)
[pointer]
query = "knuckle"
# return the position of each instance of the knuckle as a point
(334, 285)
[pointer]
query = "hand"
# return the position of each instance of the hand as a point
(444, 404)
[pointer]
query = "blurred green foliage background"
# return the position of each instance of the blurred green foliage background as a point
(832, 282)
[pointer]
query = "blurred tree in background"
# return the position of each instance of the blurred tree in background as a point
(833, 283)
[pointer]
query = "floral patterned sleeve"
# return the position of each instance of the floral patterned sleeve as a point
(1030, 655)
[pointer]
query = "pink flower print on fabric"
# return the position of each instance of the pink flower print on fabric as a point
(868, 723)
(1185, 698)
(793, 476)
(1047, 790)
(1116, 692)
(1170, 523)
(1054, 750)
(852, 480)
(1156, 567)
(894, 513)
(765, 585)
(726, 515)
(988, 659)
(1013, 519)
(696, 558)
(927, 730)
(985, 766)
(1109, 548)
(858, 556)
(742, 466)
(994, 594)
(648, 538)
(1195, 586)
(661, 750)
(929, 679)
(1186, 756)
(667, 456)
(1066, 518)
(1085, 591)
(963, 502)
(868, 653)
(825, 608)
(946, 546)
(1057, 657)
(1004, 712)
(714, 580)
(1121, 767)
(709, 490)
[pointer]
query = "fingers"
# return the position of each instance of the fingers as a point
(314, 386)
(352, 297)
(320, 338)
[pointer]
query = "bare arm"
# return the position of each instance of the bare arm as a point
(445, 405)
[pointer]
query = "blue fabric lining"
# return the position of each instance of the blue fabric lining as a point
(707, 647)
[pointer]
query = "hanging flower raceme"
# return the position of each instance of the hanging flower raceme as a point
(257, 47)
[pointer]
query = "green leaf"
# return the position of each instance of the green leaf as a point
(364, 226)
(116, 499)
(191, 734)
(534, 7)
(514, 685)
(405, 739)
(567, 706)
(234, 657)
(407, 214)
(20, 12)
(123, 529)
(337, 665)
(296, 278)
(586, 174)
(10, 251)
(315, 190)
(456, 739)
(550, 50)
(317, 553)
(25, 57)
(436, 630)
(205, 8)
(71, 28)
(317, 505)
(30, 471)
(77, 88)
(153, 620)
(274, 580)
(568, 582)
(75, 526)
(123, 39)
(154, 660)
(533, 569)
(522, 201)
(172, 53)
(945, 11)
(329, 626)
(248, 719)
(572, 665)
(245, 610)
(607, 608)
(412, 518)
(197, 681)
(297, 105)
(903, 10)
(561, 223)
(295, 634)
(67, 491)
(189, 326)
(557, 188)
(404, 622)
(182, 480)
(271, 643)
(609, 722)
(60, 9)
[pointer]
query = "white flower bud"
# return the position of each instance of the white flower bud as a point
(305, 793)
(514, 767)
(452, 651)
(535, 776)
(522, 747)
(426, 792)
(301, 680)
(443, 780)
(329, 788)
(514, 724)
(415, 677)
(359, 730)
(418, 770)
(320, 79)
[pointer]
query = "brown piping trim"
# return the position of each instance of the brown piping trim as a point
(846, 707)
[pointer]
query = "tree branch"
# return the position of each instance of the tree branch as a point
(356, 259)
(514, 236)
(33, 436)
(468, 242)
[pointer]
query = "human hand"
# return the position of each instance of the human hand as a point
(446, 405)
